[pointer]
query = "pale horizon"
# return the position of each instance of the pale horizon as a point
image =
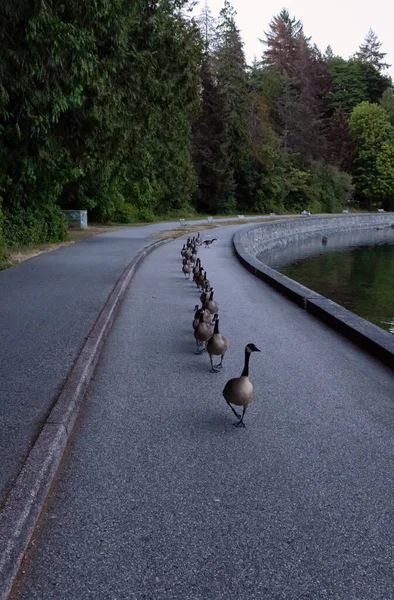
(342, 25)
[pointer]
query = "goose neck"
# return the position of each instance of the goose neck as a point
(245, 372)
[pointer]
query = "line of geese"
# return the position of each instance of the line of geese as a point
(238, 391)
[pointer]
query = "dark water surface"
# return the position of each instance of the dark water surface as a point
(354, 269)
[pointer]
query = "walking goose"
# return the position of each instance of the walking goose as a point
(239, 390)
(217, 346)
(211, 304)
(207, 317)
(202, 332)
(209, 242)
(186, 268)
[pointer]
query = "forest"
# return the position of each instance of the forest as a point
(136, 111)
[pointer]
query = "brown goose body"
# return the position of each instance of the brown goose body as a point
(207, 317)
(202, 332)
(206, 284)
(239, 391)
(200, 276)
(204, 297)
(186, 268)
(209, 242)
(217, 345)
(212, 305)
(197, 268)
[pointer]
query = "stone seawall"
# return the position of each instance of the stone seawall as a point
(250, 242)
(268, 236)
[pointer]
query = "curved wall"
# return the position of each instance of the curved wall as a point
(250, 242)
(268, 236)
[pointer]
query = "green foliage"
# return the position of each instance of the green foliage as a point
(354, 81)
(95, 108)
(374, 176)
(329, 187)
(129, 110)
(323, 188)
(35, 225)
(387, 102)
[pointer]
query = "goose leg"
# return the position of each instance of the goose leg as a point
(234, 411)
(199, 350)
(213, 370)
(220, 365)
(241, 423)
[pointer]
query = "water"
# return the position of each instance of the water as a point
(355, 269)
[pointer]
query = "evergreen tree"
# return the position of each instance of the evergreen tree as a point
(341, 145)
(306, 83)
(387, 102)
(207, 26)
(211, 143)
(266, 169)
(329, 53)
(370, 52)
(283, 43)
(233, 84)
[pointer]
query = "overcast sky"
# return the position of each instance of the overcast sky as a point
(341, 23)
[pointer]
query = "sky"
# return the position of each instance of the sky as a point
(342, 24)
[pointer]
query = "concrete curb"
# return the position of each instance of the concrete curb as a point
(368, 336)
(26, 499)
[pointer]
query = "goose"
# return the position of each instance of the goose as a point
(198, 239)
(212, 305)
(207, 317)
(324, 240)
(202, 332)
(217, 346)
(206, 284)
(199, 279)
(239, 390)
(197, 267)
(186, 268)
(196, 279)
(209, 242)
(204, 296)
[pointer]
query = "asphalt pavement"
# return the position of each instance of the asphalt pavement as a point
(159, 497)
(48, 305)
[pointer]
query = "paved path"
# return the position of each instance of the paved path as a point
(160, 498)
(48, 306)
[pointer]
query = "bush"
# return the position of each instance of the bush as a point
(32, 225)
